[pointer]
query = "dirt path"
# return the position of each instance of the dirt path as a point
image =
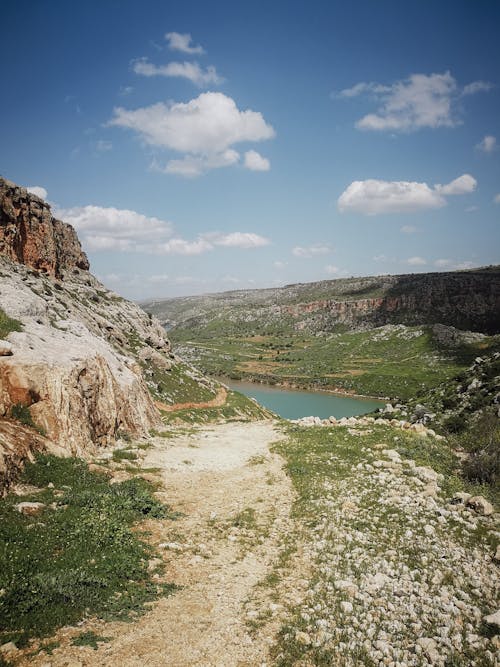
(216, 402)
(236, 500)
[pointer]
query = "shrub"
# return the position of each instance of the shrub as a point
(455, 423)
(8, 324)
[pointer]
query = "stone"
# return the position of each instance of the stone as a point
(428, 646)
(302, 638)
(346, 607)
(480, 505)
(496, 557)
(460, 498)
(6, 349)
(493, 619)
(30, 509)
(8, 649)
(30, 235)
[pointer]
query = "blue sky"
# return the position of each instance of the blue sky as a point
(202, 146)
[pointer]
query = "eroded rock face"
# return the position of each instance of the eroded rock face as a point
(75, 366)
(30, 235)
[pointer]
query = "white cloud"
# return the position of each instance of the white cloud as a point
(443, 263)
(127, 231)
(192, 166)
(421, 100)
(416, 261)
(408, 229)
(471, 209)
(255, 162)
(311, 251)
(496, 198)
(182, 42)
(488, 144)
(380, 258)
(204, 129)
(186, 70)
(119, 229)
(477, 87)
(38, 191)
(237, 239)
(279, 265)
(462, 185)
(372, 197)
(332, 270)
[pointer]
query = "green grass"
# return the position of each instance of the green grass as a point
(8, 324)
(237, 408)
(89, 638)
(80, 557)
(391, 363)
(180, 384)
(124, 455)
(22, 414)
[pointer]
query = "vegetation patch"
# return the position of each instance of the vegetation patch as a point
(79, 556)
(8, 324)
(89, 638)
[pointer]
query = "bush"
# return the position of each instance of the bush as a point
(455, 423)
(8, 324)
(482, 441)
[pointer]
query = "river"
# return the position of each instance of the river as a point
(294, 403)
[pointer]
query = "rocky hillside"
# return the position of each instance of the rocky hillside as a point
(468, 300)
(79, 365)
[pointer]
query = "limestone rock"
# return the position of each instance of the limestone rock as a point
(29, 234)
(493, 619)
(30, 509)
(480, 505)
(5, 348)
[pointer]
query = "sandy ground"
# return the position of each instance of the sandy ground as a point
(211, 476)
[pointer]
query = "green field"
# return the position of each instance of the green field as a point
(392, 361)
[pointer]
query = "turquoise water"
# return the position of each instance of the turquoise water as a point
(293, 404)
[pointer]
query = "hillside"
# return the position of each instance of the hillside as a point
(389, 336)
(80, 367)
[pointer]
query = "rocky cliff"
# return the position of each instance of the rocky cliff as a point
(76, 359)
(468, 300)
(30, 235)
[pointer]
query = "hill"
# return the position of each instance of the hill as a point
(386, 336)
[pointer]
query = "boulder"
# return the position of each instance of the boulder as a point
(480, 505)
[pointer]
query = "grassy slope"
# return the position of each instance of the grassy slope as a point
(79, 557)
(390, 361)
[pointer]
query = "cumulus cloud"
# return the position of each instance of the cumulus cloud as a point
(128, 231)
(238, 240)
(203, 129)
(462, 185)
(191, 71)
(416, 261)
(373, 197)
(38, 191)
(182, 42)
(421, 100)
(488, 144)
(311, 251)
(408, 229)
(256, 162)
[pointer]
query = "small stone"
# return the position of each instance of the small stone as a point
(428, 646)
(302, 638)
(346, 607)
(30, 509)
(497, 554)
(480, 505)
(8, 648)
(428, 530)
(6, 349)
(493, 619)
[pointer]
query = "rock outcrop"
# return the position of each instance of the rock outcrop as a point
(30, 235)
(467, 300)
(72, 367)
